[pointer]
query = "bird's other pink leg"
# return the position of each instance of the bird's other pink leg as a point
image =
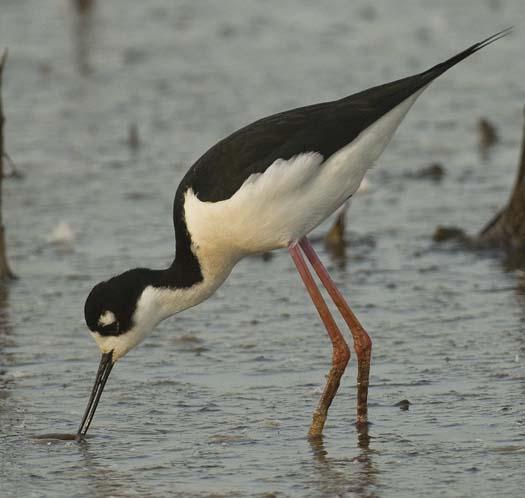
(362, 341)
(340, 350)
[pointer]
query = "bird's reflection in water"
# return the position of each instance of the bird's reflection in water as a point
(83, 35)
(363, 437)
(356, 476)
(102, 480)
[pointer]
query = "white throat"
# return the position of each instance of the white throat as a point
(154, 305)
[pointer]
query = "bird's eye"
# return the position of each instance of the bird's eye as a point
(108, 323)
(107, 318)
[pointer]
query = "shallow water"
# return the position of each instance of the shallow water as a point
(218, 401)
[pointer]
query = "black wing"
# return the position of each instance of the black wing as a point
(323, 128)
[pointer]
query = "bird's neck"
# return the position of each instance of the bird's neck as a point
(190, 280)
(195, 274)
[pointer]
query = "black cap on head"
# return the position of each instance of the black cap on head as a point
(110, 306)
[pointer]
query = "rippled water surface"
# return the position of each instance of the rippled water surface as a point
(217, 402)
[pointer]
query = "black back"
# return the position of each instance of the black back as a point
(323, 128)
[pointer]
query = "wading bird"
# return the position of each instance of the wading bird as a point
(264, 187)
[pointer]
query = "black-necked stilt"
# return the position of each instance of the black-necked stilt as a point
(264, 187)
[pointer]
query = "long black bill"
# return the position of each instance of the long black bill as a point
(104, 369)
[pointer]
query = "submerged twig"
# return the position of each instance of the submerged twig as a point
(334, 239)
(5, 271)
(506, 230)
(488, 136)
(15, 172)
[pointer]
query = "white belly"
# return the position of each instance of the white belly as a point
(287, 201)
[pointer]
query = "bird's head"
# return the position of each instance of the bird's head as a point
(120, 313)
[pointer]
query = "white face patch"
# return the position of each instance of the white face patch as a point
(107, 318)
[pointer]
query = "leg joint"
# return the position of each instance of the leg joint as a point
(362, 342)
(341, 354)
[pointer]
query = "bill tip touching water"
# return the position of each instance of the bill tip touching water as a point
(300, 166)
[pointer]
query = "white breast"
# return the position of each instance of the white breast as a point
(287, 201)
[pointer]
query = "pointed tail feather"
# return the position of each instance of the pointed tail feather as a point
(440, 68)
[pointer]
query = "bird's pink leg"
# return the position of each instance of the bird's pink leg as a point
(340, 350)
(362, 341)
